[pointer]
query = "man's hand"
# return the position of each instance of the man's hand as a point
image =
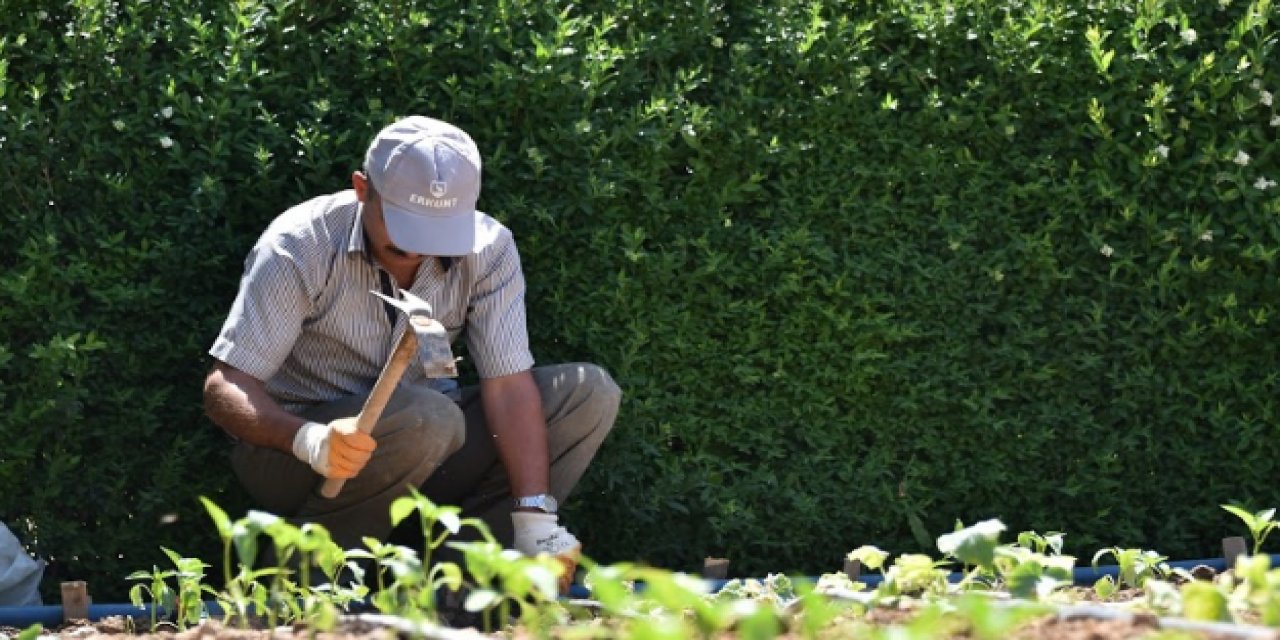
(541, 533)
(336, 450)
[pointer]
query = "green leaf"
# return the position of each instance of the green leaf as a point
(220, 519)
(452, 578)
(482, 599)
(870, 556)
(401, 508)
(1105, 587)
(973, 545)
(1204, 601)
(450, 521)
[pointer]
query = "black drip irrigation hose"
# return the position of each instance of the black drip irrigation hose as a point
(51, 616)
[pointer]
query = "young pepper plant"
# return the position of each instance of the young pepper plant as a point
(183, 605)
(158, 590)
(504, 578)
(437, 523)
(1025, 569)
(1260, 524)
(245, 595)
(322, 602)
(973, 546)
(1134, 568)
(401, 595)
(240, 585)
(1257, 588)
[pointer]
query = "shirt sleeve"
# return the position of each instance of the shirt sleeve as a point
(268, 313)
(497, 335)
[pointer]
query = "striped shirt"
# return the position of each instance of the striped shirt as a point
(305, 323)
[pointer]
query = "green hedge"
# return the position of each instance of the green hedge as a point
(862, 269)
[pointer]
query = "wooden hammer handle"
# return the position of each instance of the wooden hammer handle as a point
(379, 396)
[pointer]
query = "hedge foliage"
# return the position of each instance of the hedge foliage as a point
(862, 269)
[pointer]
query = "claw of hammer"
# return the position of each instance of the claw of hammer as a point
(411, 305)
(434, 352)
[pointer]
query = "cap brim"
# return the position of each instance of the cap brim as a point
(453, 235)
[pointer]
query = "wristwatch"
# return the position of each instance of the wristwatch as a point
(543, 502)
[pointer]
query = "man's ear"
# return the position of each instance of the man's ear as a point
(360, 182)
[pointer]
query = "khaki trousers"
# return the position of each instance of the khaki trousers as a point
(427, 440)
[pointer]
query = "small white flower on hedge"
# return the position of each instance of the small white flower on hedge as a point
(1241, 159)
(1275, 121)
(118, 124)
(1207, 236)
(1163, 151)
(1265, 97)
(166, 142)
(167, 112)
(1107, 251)
(1262, 184)
(1188, 36)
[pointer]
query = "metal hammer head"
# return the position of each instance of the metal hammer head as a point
(434, 351)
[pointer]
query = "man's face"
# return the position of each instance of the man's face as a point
(375, 228)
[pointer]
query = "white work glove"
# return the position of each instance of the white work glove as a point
(336, 450)
(538, 532)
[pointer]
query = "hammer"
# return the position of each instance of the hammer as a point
(423, 337)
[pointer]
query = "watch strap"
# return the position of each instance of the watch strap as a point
(544, 502)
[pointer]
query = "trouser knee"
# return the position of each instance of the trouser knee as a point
(597, 393)
(416, 431)
(438, 426)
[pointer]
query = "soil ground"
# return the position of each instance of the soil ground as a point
(362, 628)
(1047, 628)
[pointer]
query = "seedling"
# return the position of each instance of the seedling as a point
(975, 545)
(1135, 568)
(504, 578)
(1031, 574)
(914, 574)
(1260, 524)
(184, 605)
(237, 598)
(158, 591)
(870, 556)
(1258, 588)
(1048, 544)
(321, 603)
(245, 594)
(437, 523)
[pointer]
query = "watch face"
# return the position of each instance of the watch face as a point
(544, 502)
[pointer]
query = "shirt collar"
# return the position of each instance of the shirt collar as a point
(358, 242)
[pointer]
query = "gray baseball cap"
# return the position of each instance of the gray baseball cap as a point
(428, 175)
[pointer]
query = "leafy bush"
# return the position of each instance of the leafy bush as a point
(860, 270)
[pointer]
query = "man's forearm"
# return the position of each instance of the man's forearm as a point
(239, 403)
(513, 410)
